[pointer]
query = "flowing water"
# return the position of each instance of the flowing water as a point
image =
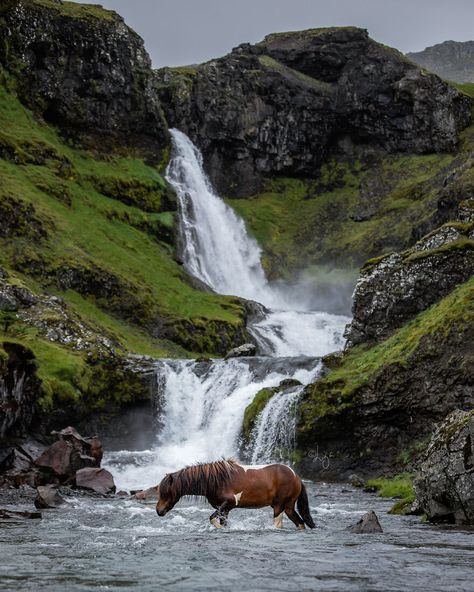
(120, 544)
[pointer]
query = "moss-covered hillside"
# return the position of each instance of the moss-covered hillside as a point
(350, 211)
(98, 230)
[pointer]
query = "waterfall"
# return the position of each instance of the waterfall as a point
(203, 403)
(273, 437)
(216, 246)
(202, 409)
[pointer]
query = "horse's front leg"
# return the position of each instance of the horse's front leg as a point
(219, 517)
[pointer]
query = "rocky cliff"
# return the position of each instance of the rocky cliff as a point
(452, 60)
(83, 69)
(282, 106)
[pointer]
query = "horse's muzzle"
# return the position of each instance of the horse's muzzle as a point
(161, 512)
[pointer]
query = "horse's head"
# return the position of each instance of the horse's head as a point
(167, 495)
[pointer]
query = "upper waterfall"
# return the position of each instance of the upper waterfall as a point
(215, 243)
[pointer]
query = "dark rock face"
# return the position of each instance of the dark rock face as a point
(395, 288)
(368, 524)
(80, 71)
(282, 105)
(452, 60)
(444, 486)
(19, 389)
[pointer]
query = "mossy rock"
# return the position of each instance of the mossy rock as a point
(256, 407)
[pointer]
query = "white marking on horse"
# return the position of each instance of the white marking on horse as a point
(278, 521)
(237, 497)
(253, 467)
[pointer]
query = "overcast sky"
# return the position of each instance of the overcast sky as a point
(180, 32)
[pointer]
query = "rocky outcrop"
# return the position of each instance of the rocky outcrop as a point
(452, 60)
(82, 68)
(411, 361)
(282, 105)
(393, 289)
(444, 485)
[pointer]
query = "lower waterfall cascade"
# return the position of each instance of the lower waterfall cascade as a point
(202, 403)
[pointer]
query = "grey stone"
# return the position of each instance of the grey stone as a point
(368, 524)
(247, 349)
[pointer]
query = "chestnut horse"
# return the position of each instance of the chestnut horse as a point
(227, 485)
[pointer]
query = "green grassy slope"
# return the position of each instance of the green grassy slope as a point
(350, 212)
(362, 366)
(110, 218)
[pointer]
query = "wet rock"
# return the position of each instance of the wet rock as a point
(47, 496)
(18, 469)
(368, 524)
(147, 494)
(70, 453)
(288, 383)
(122, 493)
(15, 514)
(247, 349)
(99, 480)
(356, 481)
(444, 485)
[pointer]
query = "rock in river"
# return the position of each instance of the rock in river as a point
(368, 524)
(47, 496)
(247, 349)
(99, 480)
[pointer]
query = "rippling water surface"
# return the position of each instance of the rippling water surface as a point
(114, 544)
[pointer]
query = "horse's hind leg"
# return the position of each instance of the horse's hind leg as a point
(295, 517)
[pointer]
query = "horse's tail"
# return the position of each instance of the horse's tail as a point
(303, 508)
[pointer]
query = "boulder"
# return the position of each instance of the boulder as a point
(147, 494)
(17, 468)
(444, 485)
(70, 453)
(47, 496)
(98, 480)
(368, 524)
(247, 349)
(57, 458)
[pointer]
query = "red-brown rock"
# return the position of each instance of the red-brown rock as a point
(99, 480)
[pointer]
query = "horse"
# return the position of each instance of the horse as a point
(228, 485)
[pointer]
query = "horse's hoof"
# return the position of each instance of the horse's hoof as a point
(215, 522)
(300, 527)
